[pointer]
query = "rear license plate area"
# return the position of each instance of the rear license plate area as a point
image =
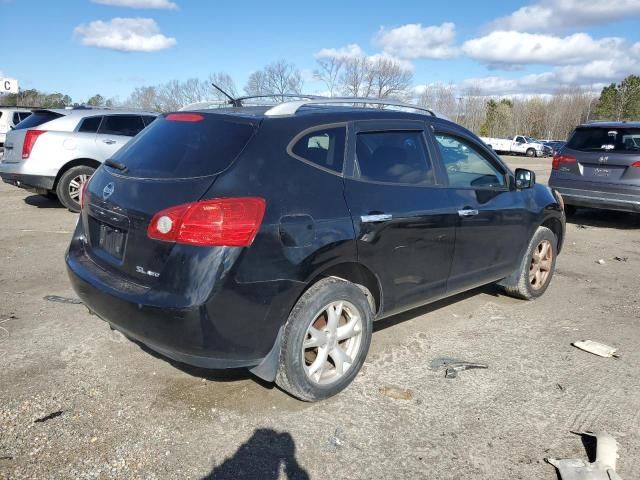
(111, 240)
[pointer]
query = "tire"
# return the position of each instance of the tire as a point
(521, 284)
(70, 185)
(302, 372)
(531, 152)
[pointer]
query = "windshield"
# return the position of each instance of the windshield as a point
(531, 140)
(622, 140)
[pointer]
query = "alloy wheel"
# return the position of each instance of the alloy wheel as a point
(75, 186)
(541, 262)
(332, 342)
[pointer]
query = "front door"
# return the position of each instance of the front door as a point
(492, 219)
(403, 219)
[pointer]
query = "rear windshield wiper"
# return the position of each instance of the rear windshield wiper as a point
(116, 164)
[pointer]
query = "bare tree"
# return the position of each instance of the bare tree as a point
(328, 72)
(441, 98)
(277, 79)
(225, 82)
(378, 77)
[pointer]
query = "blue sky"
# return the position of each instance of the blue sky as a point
(501, 47)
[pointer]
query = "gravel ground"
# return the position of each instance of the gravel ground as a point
(79, 401)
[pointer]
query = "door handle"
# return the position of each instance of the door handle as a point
(108, 141)
(383, 217)
(468, 213)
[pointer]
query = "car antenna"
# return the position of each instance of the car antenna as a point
(233, 101)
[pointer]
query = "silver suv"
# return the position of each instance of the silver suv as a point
(54, 151)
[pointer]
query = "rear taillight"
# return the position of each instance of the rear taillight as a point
(83, 192)
(636, 164)
(232, 222)
(558, 159)
(29, 141)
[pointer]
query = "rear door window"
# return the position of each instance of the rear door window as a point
(394, 157)
(125, 125)
(16, 118)
(24, 115)
(195, 145)
(37, 118)
(598, 139)
(90, 124)
(324, 147)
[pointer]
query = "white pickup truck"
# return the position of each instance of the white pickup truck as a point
(519, 145)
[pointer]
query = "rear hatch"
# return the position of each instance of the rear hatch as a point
(15, 138)
(173, 161)
(603, 155)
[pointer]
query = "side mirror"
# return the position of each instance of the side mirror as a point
(525, 178)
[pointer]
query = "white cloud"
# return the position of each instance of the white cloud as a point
(415, 41)
(352, 50)
(548, 15)
(509, 48)
(155, 4)
(125, 35)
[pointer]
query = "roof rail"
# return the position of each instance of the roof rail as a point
(238, 102)
(290, 108)
(204, 105)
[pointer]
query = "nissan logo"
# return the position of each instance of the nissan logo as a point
(107, 190)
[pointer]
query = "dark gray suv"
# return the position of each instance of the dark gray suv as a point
(600, 167)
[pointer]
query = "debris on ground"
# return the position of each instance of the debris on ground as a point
(582, 227)
(49, 417)
(603, 468)
(56, 298)
(453, 366)
(334, 441)
(600, 262)
(596, 348)
(397, 393)
(621, 259)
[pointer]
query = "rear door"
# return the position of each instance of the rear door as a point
(602, 156)
(404, 220)
(116, 130)
(492, 220)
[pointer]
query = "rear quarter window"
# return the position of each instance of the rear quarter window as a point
(185, 149)
(323, 147)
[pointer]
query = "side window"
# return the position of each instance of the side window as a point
(325, 148)
(466, 167)
(394, 157)
(90, 124)
(16, 118)
(24, 115)
(520, 140)
(126, 125)
(147, 119)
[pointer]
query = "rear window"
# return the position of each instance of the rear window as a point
(185, 149)
(621, 140)
(37, 119)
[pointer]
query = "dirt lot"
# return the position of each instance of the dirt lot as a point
(79, 401)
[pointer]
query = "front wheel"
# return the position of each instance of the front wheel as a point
(70, 186)
(531, 152)
(325, 341)
(536, 269)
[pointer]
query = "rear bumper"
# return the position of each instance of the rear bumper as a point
(28, 182)
(235, 327)
(597, 199)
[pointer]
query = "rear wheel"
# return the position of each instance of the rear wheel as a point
(531, 152)
(326, 340)
(70, 186)
(536, 268)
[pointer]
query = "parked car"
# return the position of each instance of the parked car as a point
(600, 167)
(554, 145)
(519, 145)
(9, 118)
(272, 238)
(54, 151)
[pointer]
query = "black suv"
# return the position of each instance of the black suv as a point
(272, 238)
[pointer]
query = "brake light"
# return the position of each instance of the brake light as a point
(636, 164)
(184, 117)
(29, 141)
(83, 191)
(558, 159)
(232, 222)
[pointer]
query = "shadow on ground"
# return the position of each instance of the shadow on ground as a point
(590, 217)
(263, 456)
(43, 201)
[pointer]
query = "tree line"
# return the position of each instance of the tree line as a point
(542, 116)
